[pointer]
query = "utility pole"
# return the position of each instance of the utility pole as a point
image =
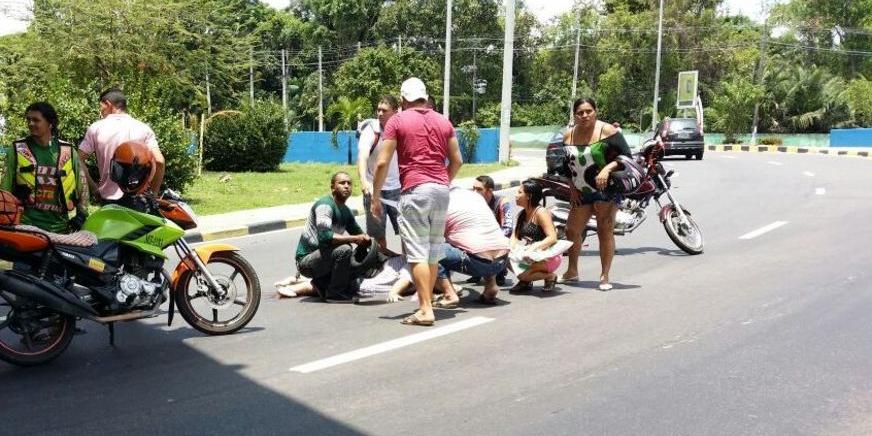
(285, 87)
(320, 92)
(251, 75)
(474, 77)
(657, 73)
(208, 95)
(758, 73)
(575, 70)
(506, 103)
(446, 81)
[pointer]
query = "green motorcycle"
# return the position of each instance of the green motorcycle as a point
(113, 270)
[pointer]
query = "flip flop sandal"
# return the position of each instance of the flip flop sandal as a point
(442, 303)
(521, 287)
(549, 285)
(487, 301)
(413, 319)
(563, 280)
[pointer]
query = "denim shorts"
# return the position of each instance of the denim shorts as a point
(593, 197)
(466, 263)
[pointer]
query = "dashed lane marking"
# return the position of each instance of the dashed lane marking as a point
(394, 344)
(776, 163)
(820, 191)
(808, 174)
(763, 230)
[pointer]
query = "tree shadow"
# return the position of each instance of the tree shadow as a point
(150, 383)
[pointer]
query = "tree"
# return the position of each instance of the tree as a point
(347, 113)
(859, 96)
(732, 110)
(375, 71)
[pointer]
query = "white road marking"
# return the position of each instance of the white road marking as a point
(728, 157)
(762, 230)
(394, 344)
(772, 162)
(808, 174)
(820, 191)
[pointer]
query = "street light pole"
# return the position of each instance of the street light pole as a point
(575, 70)
(506, 102)
(657, 73)
(474, 84)
(320, 93)
(447, 73)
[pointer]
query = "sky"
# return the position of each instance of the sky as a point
(12, 11)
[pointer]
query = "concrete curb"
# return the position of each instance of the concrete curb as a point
(274, 225)
(784, 149)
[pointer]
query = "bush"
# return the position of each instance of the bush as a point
(771, 140)
(468, 135)
(251, 140)
(175, 145)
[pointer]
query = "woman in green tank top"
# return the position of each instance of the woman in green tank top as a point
(592, 147)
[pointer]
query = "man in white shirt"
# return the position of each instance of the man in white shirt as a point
(368, 147)
(105, 135)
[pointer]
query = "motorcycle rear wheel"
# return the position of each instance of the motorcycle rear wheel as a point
(30, 334)
(686, 236)
(195, 299)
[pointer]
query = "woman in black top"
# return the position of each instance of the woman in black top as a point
(535, 228)
(592, 147)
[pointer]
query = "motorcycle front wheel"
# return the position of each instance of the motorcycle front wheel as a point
(31, 334)
(220, 313)
(686, 235)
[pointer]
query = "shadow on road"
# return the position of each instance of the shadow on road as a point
(151, 383)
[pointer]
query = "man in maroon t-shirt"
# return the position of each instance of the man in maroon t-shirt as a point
(422, 139)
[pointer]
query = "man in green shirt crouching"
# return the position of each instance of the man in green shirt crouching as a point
(324, 252)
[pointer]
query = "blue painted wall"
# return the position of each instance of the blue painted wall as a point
(318, 147)
(851, 138)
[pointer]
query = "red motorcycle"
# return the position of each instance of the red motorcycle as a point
(655, 183)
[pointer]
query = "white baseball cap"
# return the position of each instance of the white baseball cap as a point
(413, 89)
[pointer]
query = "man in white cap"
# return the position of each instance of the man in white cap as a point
(422, 139)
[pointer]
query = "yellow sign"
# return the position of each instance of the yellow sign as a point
(687, 89)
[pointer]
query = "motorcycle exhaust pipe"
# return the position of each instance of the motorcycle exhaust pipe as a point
(21, 285)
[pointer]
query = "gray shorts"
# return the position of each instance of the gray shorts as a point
(376, 228)
(422, 222)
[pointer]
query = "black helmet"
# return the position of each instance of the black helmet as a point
(627, 179)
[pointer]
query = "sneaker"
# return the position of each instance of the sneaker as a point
(473, 280)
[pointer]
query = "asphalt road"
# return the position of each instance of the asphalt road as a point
(768, 335)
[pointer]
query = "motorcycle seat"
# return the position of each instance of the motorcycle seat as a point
(82, 238)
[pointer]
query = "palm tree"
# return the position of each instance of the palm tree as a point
(805, 98)
(347, 112)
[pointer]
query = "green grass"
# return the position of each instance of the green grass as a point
(293, 183)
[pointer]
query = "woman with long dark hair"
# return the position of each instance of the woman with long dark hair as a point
(43, 172)
(534, 228)
(592, 147)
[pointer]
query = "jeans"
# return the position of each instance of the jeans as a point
(330, 267)
(467, 263)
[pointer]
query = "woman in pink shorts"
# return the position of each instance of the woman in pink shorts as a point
(535, 229)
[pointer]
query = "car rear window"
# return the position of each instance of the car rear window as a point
(682, 125)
